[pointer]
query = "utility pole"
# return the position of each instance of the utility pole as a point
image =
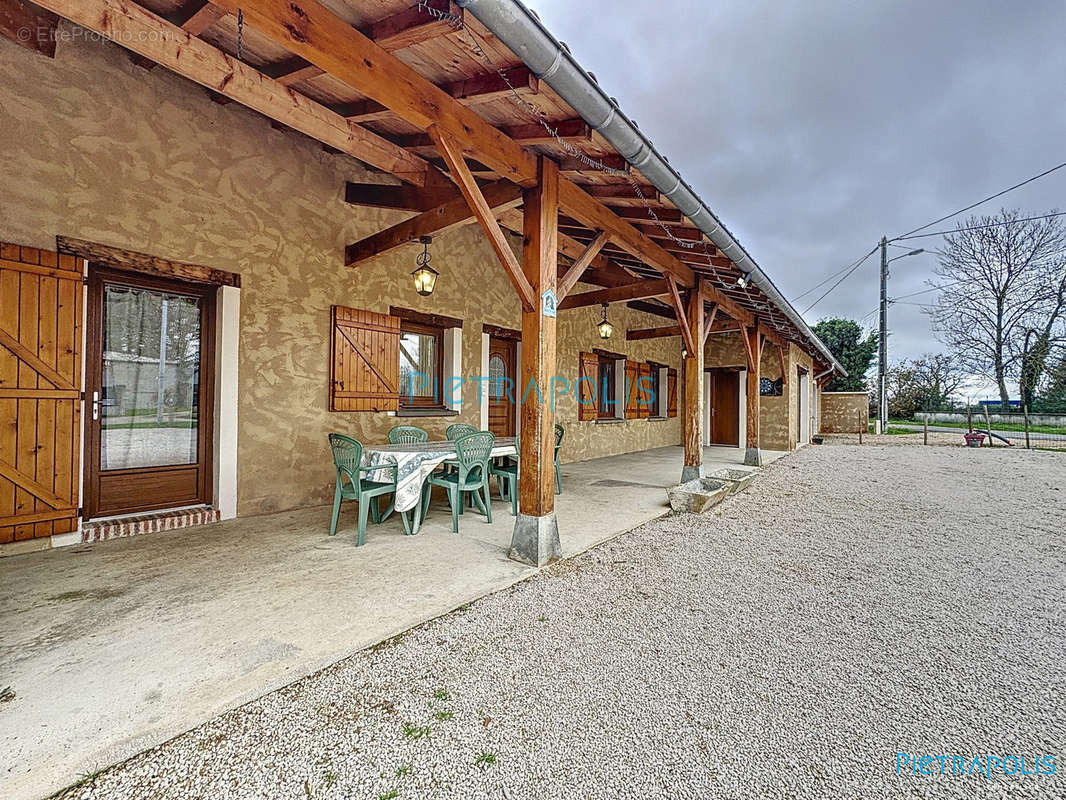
(882, 345)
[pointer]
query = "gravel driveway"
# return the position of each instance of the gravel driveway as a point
(855, 603)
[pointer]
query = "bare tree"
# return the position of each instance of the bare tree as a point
(926, 383)
(999, 277)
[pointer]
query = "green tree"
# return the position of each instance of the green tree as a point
(845, 340)
(1053, 396)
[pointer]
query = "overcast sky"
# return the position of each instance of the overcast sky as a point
(812, 128)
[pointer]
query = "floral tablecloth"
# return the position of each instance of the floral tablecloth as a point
(415, 462)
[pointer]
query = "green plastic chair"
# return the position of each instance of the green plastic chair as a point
(458, 430)
(473, 453)
(560, 432)
(348, 460)
(506, 472)
(407, 434)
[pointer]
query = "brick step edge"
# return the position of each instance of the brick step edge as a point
(147, 523)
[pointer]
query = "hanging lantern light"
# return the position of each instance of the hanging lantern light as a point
(605, 328)
(425, 276)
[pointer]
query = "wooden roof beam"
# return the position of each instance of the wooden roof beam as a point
(398, 198)
(485, 217)
(404, 29)
(151, 36)
(653, 333)
(194, 18)
(471, 91)
(638, 290)
(570, 130)
(579, 266)
(311, 31)
(454, 213)
(658, 310)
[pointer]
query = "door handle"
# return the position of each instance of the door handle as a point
(96, 406)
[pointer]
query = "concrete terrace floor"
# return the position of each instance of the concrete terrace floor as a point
(116, 647)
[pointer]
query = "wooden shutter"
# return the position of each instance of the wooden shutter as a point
(672, 393)
(646, 397)
(588, 373)
(632, 392)
(40, 392)
(364, 361)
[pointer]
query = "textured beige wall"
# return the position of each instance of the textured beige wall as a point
(844, 412)
(725, 350)
(100, 149)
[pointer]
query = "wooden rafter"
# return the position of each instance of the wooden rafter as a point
(469, 91)
(313, 32)
(453, 213)
(485, 216)
(152, 36)
(569, 130)
(666, 312)
(708, 323)
(726, 303)
(653, 333)
(573, 164)
(682, 317)
(194, 18)
(630, 291)
(398, 198)
(582, 263)
(749, 334)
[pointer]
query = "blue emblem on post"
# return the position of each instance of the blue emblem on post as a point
(549, 303)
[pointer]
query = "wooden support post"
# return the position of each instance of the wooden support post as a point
(752, 456)
(692, 417)
(535, 539)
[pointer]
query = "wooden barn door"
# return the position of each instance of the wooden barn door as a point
(40, 392)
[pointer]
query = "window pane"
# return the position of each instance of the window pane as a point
(149, 407)
(418, 367)
(497, 372)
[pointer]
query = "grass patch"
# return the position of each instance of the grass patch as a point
(485, 759)
(391, 794)
(415, 731)
(979, 422)
(403, 770)
(444, 716)
(441, 694)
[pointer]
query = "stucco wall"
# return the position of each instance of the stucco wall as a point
(844, 412)
(796, 359)
(100, 149)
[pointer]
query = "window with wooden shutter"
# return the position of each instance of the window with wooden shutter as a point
(364, 361)
(632, 390)
(647, 393)
(671, 393)
(588, 405)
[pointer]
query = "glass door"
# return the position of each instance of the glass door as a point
(149, 380)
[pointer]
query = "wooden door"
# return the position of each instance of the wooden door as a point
(725, 407)
(502, 386)
(40, 392)
(149, 393)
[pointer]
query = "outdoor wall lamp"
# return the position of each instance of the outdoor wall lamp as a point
(425, 276)
(744, 280)
(605, 328)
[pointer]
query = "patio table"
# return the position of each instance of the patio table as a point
(414, 463)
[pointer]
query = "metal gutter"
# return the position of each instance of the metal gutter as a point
(522, 31)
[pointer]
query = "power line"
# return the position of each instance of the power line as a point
(980, 202)
(843, 278)
(833, 275)
(981, 227)
(925, 291)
